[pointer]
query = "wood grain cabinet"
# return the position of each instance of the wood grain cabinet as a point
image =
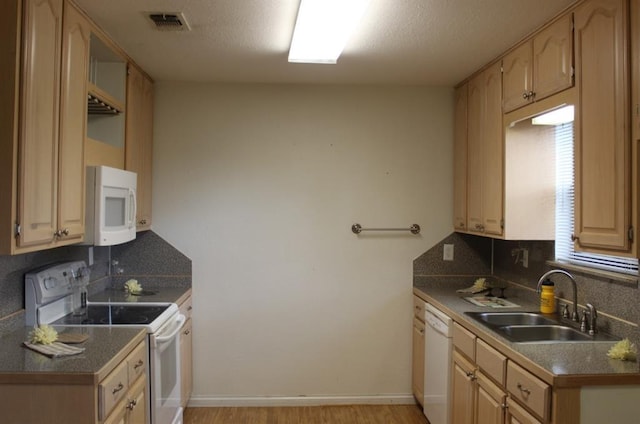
(186, 352)
(485, 152)
(603, 143)
(539, 67)
(45, 58)
(489, 388)
(418, 350)
(139, 140)
(460, 160)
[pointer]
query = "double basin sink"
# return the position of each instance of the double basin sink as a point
(532, 327)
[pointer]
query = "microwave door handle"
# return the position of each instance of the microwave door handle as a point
(134, 212)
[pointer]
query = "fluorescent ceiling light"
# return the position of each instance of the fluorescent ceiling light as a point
(555, 117)
(323, 28)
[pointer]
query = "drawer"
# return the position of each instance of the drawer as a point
(186, 308)
(517, 414)
(464, 340)
(492, 362)
(112, 389)
(529, 390)
(418, 308)
(137, 362)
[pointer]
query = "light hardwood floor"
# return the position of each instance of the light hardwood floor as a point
(352, 414)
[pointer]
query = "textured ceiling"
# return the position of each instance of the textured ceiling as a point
(427, 42)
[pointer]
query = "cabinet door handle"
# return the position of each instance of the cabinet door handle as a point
(132, 404)
(523, 389)
(117, 389)
(138, 364)
(187, 332)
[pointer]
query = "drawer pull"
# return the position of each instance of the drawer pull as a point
(523, 389)
(186, 332)
(138, 364)
(190, 308)
(117, 389)
(132, 404)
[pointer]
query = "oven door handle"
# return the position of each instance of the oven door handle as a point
(180, 320)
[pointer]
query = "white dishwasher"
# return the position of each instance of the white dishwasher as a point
(437, 365)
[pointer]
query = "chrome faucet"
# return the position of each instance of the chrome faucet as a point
(593, 315)
(546, 275)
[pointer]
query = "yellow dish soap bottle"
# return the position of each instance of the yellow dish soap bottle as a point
(547, 298)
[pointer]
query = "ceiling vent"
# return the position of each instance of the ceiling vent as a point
(173, 21)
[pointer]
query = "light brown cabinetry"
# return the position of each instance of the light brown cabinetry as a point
(417, 356)
(602, 148)
(460, 160)
(139, 140)
(539, 67)
(485, 382)
(485, 151)
(186, 351)
(114, 394)
(122, 393)
(43, 185)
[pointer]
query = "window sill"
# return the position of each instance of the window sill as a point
(614, 277)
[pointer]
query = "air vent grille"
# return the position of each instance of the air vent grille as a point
(173, 21)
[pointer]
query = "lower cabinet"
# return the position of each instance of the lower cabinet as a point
(186, 351)
(131, 410)
(119, 397)
(489, 388)
(122, 394)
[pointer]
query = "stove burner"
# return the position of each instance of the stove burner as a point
(103, 314)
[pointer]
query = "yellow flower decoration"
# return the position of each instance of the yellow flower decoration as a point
(44, 334)
(132, 286)
(623, 350)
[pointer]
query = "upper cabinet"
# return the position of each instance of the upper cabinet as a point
(139, 140)
(602, 148)
(485, 152)
(460, 160)
(106, 102)
(43, 131)
(539, 67)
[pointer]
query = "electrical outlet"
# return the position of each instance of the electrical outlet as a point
(447, 252)
(525, 258)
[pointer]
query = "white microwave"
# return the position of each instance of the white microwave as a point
(111, 206)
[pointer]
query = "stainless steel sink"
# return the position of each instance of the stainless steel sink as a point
(511, 318)
(531, 327)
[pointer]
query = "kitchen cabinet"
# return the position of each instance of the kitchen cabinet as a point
(483, 377)
(186, 351)
(460, 160)
(485, 151)
(122, 393)
(44, 60)
(139, 140)
(114, 393)
(106, 102)
(540, 66)
(602, 147)
(417, 357)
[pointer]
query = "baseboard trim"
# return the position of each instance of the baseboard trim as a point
(219, 401)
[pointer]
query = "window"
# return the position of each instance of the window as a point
(565, 210)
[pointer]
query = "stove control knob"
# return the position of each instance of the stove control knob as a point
(50, 283)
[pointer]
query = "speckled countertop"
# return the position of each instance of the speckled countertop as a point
(104, 349)
(164, 294)
(560, 364)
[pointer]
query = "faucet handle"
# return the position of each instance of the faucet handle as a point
(565, 311)
(584, 323)
(593, 314)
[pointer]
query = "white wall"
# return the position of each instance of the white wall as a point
(259, 185)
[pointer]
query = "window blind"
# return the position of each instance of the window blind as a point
(565, 195)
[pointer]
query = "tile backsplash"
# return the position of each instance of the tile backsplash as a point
(148, 258)
(476, 256)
